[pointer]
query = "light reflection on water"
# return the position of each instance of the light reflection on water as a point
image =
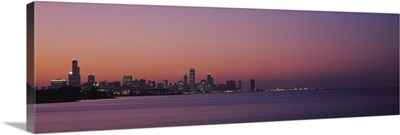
(179, 110)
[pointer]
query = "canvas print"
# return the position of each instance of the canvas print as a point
(111, 66)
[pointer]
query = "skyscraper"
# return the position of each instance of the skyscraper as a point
(127, 80)
(135, 84)
(202, 85)
(210, 80)
(240, 85)
(252, 85)
(142, 84)
(91, 79)
(159, 85)
(231, 85)
(192, 79)
(181, 85)
(192, 76)
(74, 77)
(185, 83)
(151, 84)
(165, 84)
(185, 80)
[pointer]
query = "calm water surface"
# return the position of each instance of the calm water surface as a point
(195, 109)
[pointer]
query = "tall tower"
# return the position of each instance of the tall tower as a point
(192, 79)
(185, 83)
(151, 84)
(91, 79)
(252, 85)
(210, 80)
(165, 84)
(185, 80)
(240, 85)
(231, 85)
(74, 77)
(127, 81)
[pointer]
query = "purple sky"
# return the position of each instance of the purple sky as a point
(276, 48)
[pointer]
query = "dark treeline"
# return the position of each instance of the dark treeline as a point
(69, 94)
(63, 94)
(73, 94)
(95, 94)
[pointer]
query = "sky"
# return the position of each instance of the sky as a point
(277, 48)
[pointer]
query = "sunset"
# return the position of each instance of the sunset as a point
(111, 66)
(277, 48)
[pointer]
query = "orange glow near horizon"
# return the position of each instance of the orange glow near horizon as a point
(156, 43)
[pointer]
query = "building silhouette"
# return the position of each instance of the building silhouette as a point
(160, 85)
(91, 79)
(135, 85)
(173, 86)
(114, 85)
(127, 81)
(231, 85)
(210, 80)
(252, 85)
(74, 77)
(192, 79)
(57, 83)
(202, 85)
(87, 86)
(142, 84)
(240, 85)
(185, 83)
(165, 84)
(181, 85)
(151, 84)
(103, 84)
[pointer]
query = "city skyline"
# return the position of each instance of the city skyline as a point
(280, 48)
(74, 79)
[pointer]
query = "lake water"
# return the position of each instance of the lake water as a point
(198, 109)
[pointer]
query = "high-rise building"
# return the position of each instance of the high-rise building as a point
(74, 77)
(165, 84)
(252, 85)
(202, 85)
(192, 79)
(231, 85)
(57, 83)
(210, 80)
(151, 84)
(185, 80)
(240, 85)
(127, 80)
(103, 84)
(185, 83)
(135, 84)
(173, 86)
(159, 85)
(181, 85)
(114, 85)
(142, 84)
(91, 79)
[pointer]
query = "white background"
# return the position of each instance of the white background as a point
(13, 72)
